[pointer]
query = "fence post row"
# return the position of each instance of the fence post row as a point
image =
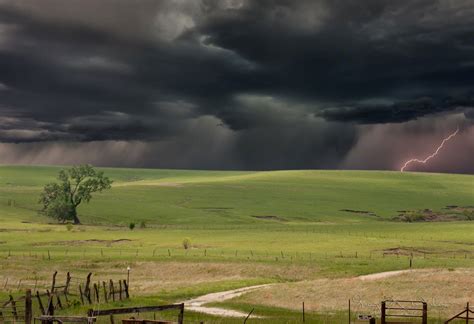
(137, 310)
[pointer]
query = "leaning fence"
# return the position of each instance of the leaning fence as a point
(61, 296)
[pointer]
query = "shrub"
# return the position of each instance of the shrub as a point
(69, 227)
(469, 214)
(142, 224)
(187, 243)
(131, 226)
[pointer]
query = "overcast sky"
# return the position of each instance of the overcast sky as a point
(234, 84)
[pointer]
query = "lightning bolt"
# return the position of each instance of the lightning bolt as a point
(407, 163)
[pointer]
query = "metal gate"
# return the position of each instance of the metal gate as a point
(416, 311)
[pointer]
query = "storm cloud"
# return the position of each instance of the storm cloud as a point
(232, 84)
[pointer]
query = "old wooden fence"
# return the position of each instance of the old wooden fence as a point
(137, 311)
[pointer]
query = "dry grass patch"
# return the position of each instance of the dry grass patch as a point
(445, 291)
(149, 277)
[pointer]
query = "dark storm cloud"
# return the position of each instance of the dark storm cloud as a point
(279, 78)
(398, 112)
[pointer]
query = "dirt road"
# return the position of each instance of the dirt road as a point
(197, 304)
(383, 275)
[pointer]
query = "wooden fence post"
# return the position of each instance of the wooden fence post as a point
(87, 288)
(303, 313)
(105, 292)
(96, 291)
(125, 286)
(383, 314)
(467, 313)
(50, 309)
(14, 311)
(53, 284)
(112, 290)
(59, 302)
(181, 314)
(81, 294)
(425, 313)
(349, 309)
(68, 282)
(248, 316)
(40, 303)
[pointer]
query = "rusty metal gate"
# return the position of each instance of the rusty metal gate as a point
(464, 315)
(415, 311)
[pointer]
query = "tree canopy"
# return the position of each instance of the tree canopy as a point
(76, 185)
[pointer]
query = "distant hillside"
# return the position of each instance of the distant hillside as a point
(200, 198)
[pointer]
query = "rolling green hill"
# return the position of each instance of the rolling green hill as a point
(197, 198)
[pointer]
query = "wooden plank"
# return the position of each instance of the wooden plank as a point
(129, 310)
(137, 321)
(71, 319)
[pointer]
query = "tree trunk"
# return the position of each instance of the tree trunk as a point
(73, 215)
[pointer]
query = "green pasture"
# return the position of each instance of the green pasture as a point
(296, 225)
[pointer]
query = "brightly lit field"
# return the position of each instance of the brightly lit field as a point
(308, 233)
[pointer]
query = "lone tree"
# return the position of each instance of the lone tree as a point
(76, 185)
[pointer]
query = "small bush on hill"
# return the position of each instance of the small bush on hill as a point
(187, 243)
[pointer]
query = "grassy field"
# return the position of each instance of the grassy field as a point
(305, 231)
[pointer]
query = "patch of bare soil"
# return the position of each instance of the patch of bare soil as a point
(406, 251)
(214, 208)
(354, 211)
(82, 242)
(449, 213)
(459, 208)
(270, 217)
(412, 251)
